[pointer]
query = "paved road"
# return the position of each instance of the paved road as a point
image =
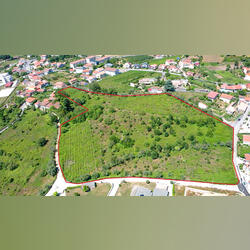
(243, 189)
(237, 126)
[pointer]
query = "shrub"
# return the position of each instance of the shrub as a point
(52, 169)
(42, 142)
(86, 188)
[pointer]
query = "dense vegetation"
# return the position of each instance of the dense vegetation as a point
(26, 162)
(150, 136)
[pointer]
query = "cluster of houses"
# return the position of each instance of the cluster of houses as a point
(240, 106)
(44, 105)
(87, 68)
(170, 64)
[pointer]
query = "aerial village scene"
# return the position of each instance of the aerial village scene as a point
(32, 106)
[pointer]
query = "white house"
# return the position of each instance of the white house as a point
(226, 98)
(155, 90)
(147, 81)
(5, 78)
(247, 77)
(201, 105)
(112, 71)
(127, 65)
(173, 69)
(186, 63)
(169, 62)
(180, 83)
(90, 59)
(75, 63)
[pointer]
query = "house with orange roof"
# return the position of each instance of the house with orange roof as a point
(77, 62)
(153, 66)
(231, 88)
(186, 64)
(247, 157)
(112, 71)
(162, 67)
(59, 85)
(173, 69)
(246, 139)
(212, 95)
(30, 100)
(169, 62)
(226, 98)
(102, 59)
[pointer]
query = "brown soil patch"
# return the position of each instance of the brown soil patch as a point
(212, 58)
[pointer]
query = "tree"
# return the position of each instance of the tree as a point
(154, 155)
(52, 169)
(168, 87)
(95, 87)
(67, 105)
(191, 138)
(42, 142)
(86, 188)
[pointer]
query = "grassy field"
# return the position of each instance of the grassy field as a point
(121, 82)
(150, 136)
(2, 99)
(101, 189)
(23, 162)
(222, 75)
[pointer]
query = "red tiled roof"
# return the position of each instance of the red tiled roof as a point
(212, 95)
(234, 87)
(246, 138)
(247, 157)
(247, 98)
(225, 96)
(30, 99)
(111, 69)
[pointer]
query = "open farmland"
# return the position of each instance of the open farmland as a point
(146, 136)
(23, 162)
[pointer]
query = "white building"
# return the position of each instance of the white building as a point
(180, 83)
(247, 77)
(5, 78)
(75, 63)
(186, 63)
(147, 81)
(90, 59)
(201, 105)
(112, 71)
